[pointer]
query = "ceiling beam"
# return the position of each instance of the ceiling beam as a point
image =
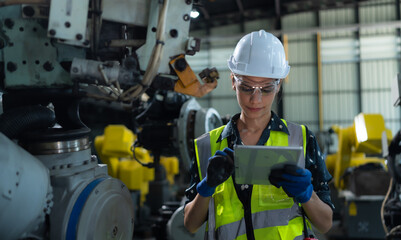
(277, 11)
(240, 6)
(314, 30)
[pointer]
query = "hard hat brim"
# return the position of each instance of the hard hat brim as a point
(234, 69)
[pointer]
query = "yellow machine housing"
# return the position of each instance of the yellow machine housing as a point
(114, 149)
(355, 143)
(360, 178)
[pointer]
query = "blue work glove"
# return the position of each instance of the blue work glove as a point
(219, 168)
(296, 181)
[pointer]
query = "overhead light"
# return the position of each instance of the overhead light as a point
(194, 14)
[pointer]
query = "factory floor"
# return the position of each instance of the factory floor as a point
(335, 233)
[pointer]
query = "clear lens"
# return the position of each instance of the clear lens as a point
(247, 89)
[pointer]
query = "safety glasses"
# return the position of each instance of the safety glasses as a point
(247, 88)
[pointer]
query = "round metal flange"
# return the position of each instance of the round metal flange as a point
(192, 123)
(186, 121)
(57, 147)
(206, 120)
(105, 211)
(177, 231)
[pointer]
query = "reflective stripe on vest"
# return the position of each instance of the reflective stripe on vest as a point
(296, 138)
(211, 234)
(269, 218)
(203, 151)
(206, 145)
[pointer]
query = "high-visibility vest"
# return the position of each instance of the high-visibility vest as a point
(274, 214)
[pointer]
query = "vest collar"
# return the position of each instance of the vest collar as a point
(275, 124)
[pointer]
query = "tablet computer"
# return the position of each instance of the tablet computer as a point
(253, 163)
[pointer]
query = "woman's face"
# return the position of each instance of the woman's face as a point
(255, 95)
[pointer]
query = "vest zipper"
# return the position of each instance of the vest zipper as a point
(245, 200)
(246, 203)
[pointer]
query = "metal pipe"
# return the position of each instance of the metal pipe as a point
(17, 2)
(315, 30)
(319, 80)
(285, 44)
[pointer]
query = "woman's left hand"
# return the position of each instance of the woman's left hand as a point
(295, 181)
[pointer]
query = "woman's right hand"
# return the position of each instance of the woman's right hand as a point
(220, 167)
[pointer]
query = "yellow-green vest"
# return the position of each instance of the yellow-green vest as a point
(274, 214)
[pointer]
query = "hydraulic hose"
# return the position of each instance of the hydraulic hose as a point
(18, 120)
(154, 60)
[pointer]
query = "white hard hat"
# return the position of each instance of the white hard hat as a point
(259, 54)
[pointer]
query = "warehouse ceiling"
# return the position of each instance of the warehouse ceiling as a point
(215, 13)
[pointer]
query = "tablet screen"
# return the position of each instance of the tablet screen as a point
(253, 163)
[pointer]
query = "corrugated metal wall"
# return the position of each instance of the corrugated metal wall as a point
(380, 61)
(359, 60)
(339, 54)
(300, 92)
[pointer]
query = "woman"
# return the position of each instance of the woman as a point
(276, 211)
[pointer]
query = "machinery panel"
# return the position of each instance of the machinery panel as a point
(122, 11)
(30, 58)
(68, 19)
(362, 218)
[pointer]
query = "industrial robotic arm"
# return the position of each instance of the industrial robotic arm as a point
(391, 206)
(122, 48)
(56, 54)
